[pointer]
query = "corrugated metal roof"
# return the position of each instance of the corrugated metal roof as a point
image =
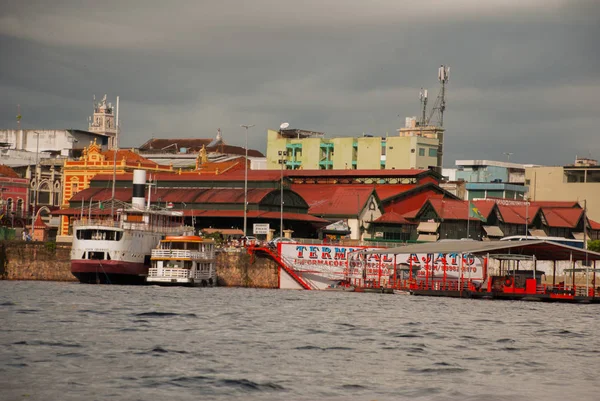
(392, 218)
(358, 173)
(450, 209)
(179, 195)
(391, 191)
(339, 200)
(515, 214)
(544, 250)
(562, 217)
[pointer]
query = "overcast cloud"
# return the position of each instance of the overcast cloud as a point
(524, 74)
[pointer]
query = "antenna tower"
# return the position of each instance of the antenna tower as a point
(18, 117)
(423, 99)
(440, 103)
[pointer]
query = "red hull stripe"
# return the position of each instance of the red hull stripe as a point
(108, 267)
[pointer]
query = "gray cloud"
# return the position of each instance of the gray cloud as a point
(523, 74)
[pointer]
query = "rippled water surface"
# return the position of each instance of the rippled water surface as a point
(66, 341)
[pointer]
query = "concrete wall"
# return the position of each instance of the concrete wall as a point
(35, 261)
(369, 153)
(549, 184)
(343, 154)
(42, 261)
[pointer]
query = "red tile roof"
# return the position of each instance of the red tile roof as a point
(392, 218)
(337, 200)
(450, 209)
(562, 217)
(194, 145)
(8, 172)
(594, 225)
(130, 157)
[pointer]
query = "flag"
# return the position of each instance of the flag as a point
(474, 212)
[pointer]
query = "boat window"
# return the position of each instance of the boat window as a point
(99, 234)
(96, 255)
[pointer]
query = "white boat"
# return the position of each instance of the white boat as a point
(186, 260)
(117, 250)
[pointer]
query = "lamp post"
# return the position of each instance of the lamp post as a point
(508, 154)
(526, 217)
(246, 179)
(37, 148)
(282, 159)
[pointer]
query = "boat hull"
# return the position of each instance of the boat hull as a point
(109, 271)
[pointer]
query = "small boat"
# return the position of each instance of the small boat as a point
(187, 260)
(340, 286)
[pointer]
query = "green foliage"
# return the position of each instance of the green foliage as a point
(594, 245)
(217, 236)
(50, 246)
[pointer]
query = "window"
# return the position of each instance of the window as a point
(432, 152)
(421, 151)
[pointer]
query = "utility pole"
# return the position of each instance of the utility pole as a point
(282, 158)
(37, 184)
(246, 180)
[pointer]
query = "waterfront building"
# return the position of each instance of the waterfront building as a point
(491, 179)
(308, 150)
(578, 182)
(77, 175)
(184, 152)
(14, 208)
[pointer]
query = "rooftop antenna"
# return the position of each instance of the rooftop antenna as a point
(18, 117)
(440, 102)
(423, 98)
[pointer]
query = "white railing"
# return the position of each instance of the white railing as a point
(96, 222)
(169, 272)
(182, 254)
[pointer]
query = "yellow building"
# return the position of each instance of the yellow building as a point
(77, 174)
(569, 183)
(307, 150)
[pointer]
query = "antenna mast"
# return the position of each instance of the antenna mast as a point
(18, 117)
(440, 102)
(423, 99)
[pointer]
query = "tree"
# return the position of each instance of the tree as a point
(594, 246)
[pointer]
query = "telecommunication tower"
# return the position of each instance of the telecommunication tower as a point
(440, 103)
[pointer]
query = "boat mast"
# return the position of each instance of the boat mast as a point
(115, 148)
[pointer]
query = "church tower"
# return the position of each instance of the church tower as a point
(103, 121)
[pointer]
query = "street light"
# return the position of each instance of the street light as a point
(282, 158)
(37, 148)
(246, 179)
(508, 154)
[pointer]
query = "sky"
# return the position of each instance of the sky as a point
(524, 75)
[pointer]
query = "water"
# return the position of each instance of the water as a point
(67, 341)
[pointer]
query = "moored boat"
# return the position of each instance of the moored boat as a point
(116, 249)
(183, 260)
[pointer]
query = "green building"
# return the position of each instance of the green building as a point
(308, 150)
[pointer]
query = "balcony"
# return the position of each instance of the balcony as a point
(182, 254)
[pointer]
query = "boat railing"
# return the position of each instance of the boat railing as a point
(172, 272)
(96, 222)
(182, 254)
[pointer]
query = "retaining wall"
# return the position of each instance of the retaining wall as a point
(20, 260)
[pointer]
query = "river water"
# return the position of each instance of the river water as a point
(68, 341)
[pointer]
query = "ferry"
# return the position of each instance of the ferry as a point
(183, 260)
(117, 250)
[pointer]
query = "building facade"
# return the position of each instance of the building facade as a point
(306, 150)
(579, 182)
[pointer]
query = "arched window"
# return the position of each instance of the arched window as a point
(9, 205)
(20, 207)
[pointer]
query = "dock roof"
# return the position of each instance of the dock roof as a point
(542, 249)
